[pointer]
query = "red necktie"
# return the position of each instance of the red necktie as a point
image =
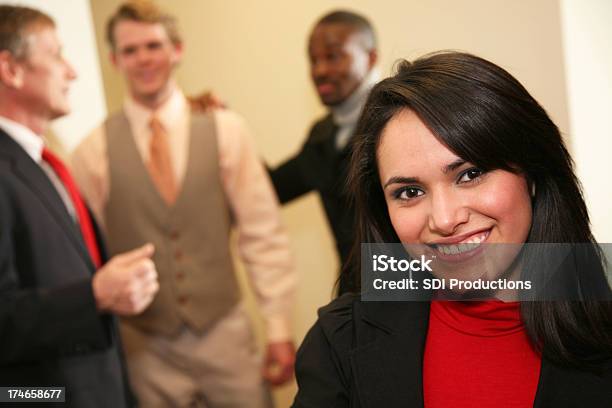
(85, 222)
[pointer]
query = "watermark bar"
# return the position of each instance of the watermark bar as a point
(478, 271)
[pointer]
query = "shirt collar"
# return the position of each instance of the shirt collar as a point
(29, 141)
(140, 115)
(347, 113)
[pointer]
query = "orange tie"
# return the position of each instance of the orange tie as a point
(160, 165)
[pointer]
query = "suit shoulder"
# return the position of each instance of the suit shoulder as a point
(7, 171)
(336, 320)
(6, 159)
(320, 129)
(5, 163)
(322, 368)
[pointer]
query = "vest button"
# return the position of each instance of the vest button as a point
(174, 235)
(178, 254)
(182, 299)
(180, 275)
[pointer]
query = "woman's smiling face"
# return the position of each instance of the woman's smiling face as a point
(436, 198)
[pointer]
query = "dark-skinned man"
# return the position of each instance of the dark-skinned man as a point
(342, 53)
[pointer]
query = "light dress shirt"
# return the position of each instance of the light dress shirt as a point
(33, 145)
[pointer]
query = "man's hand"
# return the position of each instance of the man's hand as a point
(279, 363)
(205, 102)
(127, 283)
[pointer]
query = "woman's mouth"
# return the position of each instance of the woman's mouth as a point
(462, 249)
(466, 245)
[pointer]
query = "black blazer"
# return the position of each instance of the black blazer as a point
(50, 331)
(370, 355)
(320, 166)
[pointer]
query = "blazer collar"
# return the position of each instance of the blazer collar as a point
(35, 179)
(388, 371)
(29, 141)
(388, 366)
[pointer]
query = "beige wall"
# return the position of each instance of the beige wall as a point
(588, 60)
(252, 53)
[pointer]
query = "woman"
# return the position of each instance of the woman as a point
(454, 150)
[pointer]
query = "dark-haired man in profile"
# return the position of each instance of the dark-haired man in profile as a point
(342, 53)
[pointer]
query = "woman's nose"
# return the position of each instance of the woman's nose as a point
(447, 213)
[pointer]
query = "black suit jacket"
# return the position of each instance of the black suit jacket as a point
(50, 331)
(370, 355)
(320, 166)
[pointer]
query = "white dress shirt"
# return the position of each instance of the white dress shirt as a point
(33, 145)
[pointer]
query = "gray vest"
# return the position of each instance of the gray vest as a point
(191, 238)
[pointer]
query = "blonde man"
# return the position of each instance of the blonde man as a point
(155, 171)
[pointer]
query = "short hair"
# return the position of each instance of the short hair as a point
(15, 23)
(358, 22)
(142, 11)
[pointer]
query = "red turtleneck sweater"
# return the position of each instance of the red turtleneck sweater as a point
(477, 354)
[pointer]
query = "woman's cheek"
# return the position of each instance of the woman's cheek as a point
(506, 199)
(408, 223)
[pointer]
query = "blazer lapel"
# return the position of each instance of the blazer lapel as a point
(35, 178)
(542, 396)
(388, 370)
(567, 387)
(387, 363)
(329, 146)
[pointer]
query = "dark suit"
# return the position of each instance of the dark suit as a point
(50, 331)
(322, 167)
(370, 355)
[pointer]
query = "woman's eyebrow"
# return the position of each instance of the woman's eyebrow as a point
(453, 166)
(409, 180)
(401, 180)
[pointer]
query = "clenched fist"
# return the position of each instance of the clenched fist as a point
(127, 283)
(279, 362)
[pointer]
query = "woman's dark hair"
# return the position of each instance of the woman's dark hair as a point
(486, 117)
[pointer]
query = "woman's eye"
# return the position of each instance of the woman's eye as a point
(408, 193)
(470, 175)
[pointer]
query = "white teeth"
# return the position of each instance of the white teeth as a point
(466, 246)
